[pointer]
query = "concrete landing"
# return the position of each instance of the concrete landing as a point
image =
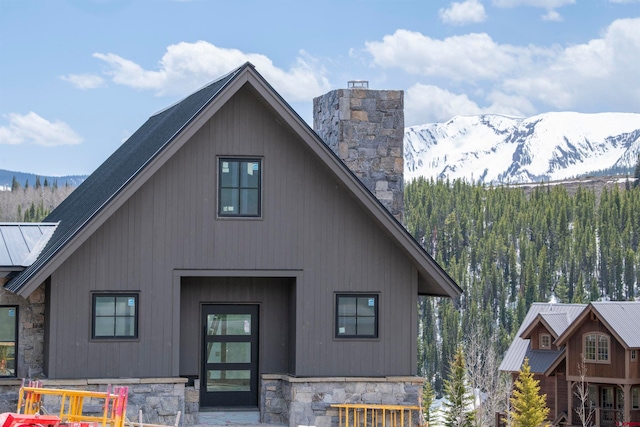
(230, 418)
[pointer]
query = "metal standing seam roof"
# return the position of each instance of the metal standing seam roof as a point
(514, 357)
(558, 321)
(21, 243)
(623, 317)
(144, 146)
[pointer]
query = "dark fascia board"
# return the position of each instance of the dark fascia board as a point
(589, 309)
(247, 75)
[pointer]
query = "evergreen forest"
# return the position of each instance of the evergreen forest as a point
(31, 202)
(507, 248)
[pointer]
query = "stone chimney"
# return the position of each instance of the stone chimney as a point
(365, 128)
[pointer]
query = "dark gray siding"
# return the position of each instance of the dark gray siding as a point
(310, 226)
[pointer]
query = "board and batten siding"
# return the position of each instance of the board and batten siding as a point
(310, 226)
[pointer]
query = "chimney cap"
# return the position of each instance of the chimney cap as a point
(358, 84)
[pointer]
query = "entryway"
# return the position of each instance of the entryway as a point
(230, 356)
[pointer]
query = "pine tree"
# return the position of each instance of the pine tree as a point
(15, 185)
(459, 399)
(428, 396)
(636, 173)
(529, 407)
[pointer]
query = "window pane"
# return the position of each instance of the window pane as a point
(590, 347)
(366, 326)
(347, 306)
(125, 326)
(229, 174)
(346, 326)
(8, 321)
(126, 306)
(250, 175)
(105, 326)
(229, 352)
(603, 348)
(105, 306)
(229, 324)
(366, 306)
(249, 202)
(229, 203)
(228, 380)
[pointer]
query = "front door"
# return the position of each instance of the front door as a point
(230, 359)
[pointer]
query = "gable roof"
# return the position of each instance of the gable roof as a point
(91, 204)
(557, 318)
(621, 318)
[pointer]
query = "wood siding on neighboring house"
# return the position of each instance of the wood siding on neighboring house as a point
(310, 226)
(535, 338)
(613, 370)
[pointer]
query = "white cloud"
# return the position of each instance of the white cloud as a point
(552, 15)
(187, 66)
(469, 58)
(432, 104)
(545, 4)
(461, 13)
(84, 81)
(33, 129)
(600, 73)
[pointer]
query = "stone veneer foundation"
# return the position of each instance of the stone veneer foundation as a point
(292, 401)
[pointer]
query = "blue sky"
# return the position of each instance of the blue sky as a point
(77, 77)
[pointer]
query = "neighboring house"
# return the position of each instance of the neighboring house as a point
(224, 256)
(558, 338)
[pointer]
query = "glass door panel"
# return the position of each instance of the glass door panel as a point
(230, 356)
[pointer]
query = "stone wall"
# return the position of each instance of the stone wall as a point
(159, 399)
(365, 128)
(30, 352)
(295, 401)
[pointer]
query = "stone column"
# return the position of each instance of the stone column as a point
(365, 128)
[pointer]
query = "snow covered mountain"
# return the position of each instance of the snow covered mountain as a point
(501, 149)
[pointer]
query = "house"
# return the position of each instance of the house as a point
(594, 346)
(225, 256)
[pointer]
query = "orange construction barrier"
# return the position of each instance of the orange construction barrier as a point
(30, 401)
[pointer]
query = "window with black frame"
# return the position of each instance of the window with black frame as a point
(356, 316)
(239, 187)
(115, 316)
(8, 340)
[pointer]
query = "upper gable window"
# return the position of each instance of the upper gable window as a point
(8, 340)
(596, 348)
(545, 341)
(239, 187)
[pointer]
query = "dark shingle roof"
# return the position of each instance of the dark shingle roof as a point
(118, 170)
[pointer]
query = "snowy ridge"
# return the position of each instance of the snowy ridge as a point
(500, 149)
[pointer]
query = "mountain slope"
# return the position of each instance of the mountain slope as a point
(501, 149)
